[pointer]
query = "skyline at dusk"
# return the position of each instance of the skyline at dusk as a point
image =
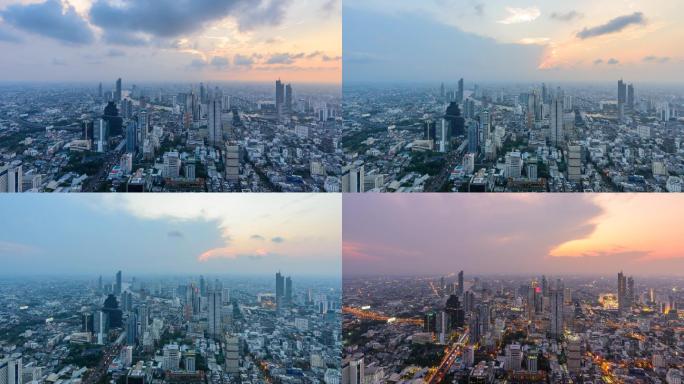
(511, 234)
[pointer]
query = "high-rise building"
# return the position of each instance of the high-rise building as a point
(574, 356)
(514, 164)
(190, 362)
(11, 369)
(514, 357)
(232, 358)
(280, 288)
(623, 305)
(215, 307)
(473, 136)
(143, 125)
(459, 95)
(455, 311)
(353, 180)
(132, 329)
(101, 327)
(172, 357)
(11, 177)
(99, 90)
(117, 92)
(279, 97)
(556, 134)
(353, 369)
(232, 161)
(556, 326)
(214, 122)
(117, 284)
(288, 290)
(172, 165)
(288, 98)
(460, 283)
(630, 96)
(455, 121)
(574, 163)
(131, 137)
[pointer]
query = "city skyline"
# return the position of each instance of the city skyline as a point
(186, 234)
(88, 40)
(499, 41)
(433, 234)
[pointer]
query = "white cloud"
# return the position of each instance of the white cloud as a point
(520, 15)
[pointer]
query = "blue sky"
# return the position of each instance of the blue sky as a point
(92, 234)
(512, 40)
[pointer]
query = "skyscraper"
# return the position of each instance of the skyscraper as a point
(131, 137)
(280, 288)
(288, 98)
(142, 125)
(117, 286)
(556, 326)
(288, 290)
(215, 307)
(117, 92)
(11, 369)
(279, 97)
(214, 123)
(556, 134)
(460, 283)
(630, 97)
(99, 90)
(455, 120)
(622, 292)
(459, 96)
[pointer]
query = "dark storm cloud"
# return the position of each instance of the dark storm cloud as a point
(171, 18)
(567, 16)
(48, 19)
(615, 25)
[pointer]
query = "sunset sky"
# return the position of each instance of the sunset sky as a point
(253, 234)
(171, 40)
(519, 234)
(513, 40)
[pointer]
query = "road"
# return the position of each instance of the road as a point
(436, 183)
(112, 158)
(370, 315)
(449, 359)
(96, 374)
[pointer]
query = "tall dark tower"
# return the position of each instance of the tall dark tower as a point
(288, 289)
(117, 287)
(112, 118)
(455, 120)
(630, 96)
(455, 310)
(460, 91)
(117, 93)
(279, 97)
(460, 283)
(288, 98)
(280, 288)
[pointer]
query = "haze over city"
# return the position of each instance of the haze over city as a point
(511, 234)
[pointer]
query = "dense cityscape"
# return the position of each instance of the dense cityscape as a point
(471, 137)
(223, 137)
(499, 329)
(169, 330)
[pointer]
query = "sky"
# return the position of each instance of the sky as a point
(171, 40)
(526, 234)
(232, 234)
(512, 40)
